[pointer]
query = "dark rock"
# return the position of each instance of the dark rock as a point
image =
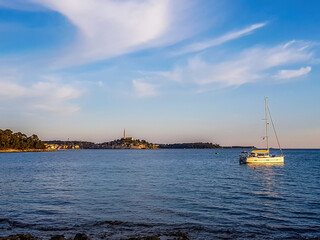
(145, 238)
(178, 235)
(19, 237)
(4, 220)
(58, 237)
(112, 223)
(115, 222)
(168, 236)
(81, 236)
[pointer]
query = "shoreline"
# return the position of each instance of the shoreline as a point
(26, 150)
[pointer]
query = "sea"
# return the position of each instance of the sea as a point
(122, 194)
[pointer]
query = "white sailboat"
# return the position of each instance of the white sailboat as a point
(263, 156)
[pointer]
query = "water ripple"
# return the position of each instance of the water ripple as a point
(121, 194)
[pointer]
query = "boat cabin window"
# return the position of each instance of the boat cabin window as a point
(254, 154)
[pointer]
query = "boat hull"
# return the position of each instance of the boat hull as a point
(278, 159)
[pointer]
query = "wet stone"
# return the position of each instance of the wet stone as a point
(178, 236)
(58, 237)
(19, 237)
(145, 238)
(167, 236)
(81, 236)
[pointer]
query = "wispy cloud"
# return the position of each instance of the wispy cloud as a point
(251, 65)
(111, 28)
(143, 89)
(44, 95)
(199, 46)
(288, 74)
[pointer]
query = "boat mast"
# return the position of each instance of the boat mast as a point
(267, 135)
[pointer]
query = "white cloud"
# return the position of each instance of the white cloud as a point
(144, 90)
(199, 46)
(288, 74)
(110, 28)
(56, 92)
(12, 90)
(46, 96)
(252, 65)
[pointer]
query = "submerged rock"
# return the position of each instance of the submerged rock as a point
(167, 236)
(81, 236)
(114, 222)
(58, 237)
(145, 238)
(178, 235)
(19, 237)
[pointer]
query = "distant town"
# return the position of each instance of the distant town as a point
(124, 143)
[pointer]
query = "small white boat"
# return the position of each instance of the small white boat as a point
(262, 156)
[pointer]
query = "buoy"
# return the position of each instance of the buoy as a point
(254, 168)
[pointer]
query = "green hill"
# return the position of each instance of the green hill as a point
(19, 141)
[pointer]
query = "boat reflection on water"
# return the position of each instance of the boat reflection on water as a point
(267, 186)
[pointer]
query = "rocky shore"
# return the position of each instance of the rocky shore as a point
(82, 236)
(25, 150)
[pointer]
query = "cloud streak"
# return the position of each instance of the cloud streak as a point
(288, 74)
(44, 96)
(143, 89)
(199, 46)
(111, 28)
(250, 66)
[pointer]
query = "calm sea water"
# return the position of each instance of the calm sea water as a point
(116, 194)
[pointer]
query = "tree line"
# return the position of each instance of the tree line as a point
(197, 145)
(11, 140)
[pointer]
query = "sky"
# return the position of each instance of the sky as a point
(167, 71)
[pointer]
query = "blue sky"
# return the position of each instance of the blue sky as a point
(167, 71)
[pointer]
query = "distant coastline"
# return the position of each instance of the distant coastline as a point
(11, 142)
(228, 147)
(25, 150)
(126, 143)
(196, 145)
(135, 144)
